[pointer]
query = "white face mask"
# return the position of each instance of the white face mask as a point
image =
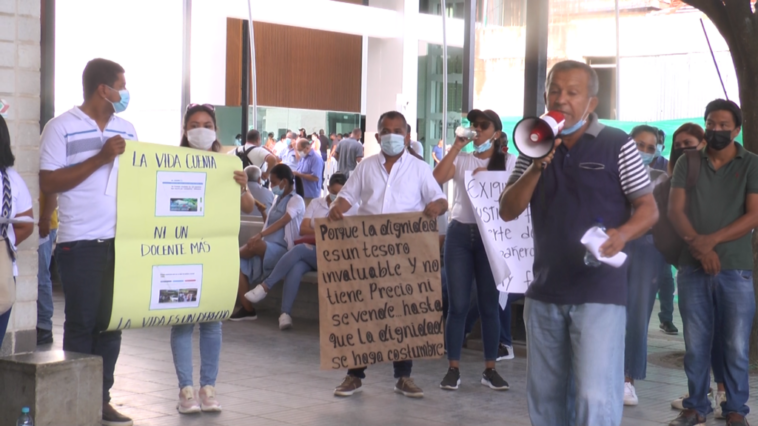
(392, 144)
(201, 138)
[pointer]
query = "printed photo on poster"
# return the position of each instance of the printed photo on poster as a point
(176, 286)
(180, 194)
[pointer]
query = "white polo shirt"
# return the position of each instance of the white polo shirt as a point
(85, 212)
(409, 186)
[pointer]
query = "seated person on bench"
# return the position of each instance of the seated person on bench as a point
(302, 258)
(282, 227)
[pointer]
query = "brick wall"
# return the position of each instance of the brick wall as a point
(20, 86)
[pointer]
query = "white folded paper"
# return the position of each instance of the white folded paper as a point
(593, 239)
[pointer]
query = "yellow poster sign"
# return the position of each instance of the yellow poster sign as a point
(380, 294)
(177, 254)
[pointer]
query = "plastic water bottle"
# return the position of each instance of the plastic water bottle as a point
(25, 419)
(465, 132)
(589, 258)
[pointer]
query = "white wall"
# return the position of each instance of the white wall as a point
(20, 86)
(143, 36)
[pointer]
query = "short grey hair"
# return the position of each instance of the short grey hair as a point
(594, 85)
(291, 134)
(253, 173)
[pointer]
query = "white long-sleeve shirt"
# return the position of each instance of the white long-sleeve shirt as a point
(409, 186)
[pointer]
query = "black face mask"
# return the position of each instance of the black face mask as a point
(678, 152)
(718, 139)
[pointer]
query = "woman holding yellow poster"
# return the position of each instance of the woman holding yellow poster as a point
(200, 133)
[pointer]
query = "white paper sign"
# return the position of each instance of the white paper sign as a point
(509, 245)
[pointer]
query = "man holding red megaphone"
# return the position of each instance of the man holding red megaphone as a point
(577, 176)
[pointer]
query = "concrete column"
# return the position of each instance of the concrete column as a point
(392, 71)
(20, 87)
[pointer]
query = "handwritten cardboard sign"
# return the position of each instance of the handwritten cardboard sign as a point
(509, 245)
(380, 295)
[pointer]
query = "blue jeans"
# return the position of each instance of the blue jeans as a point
(645, 263)
(291, 267)
(720, 306)
(575, 363)
(45, 284)
(4, 325)
(466, 260)
(210, 350)
(86, 272)
(666, 294)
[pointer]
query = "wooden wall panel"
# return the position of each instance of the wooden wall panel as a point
(298, 67)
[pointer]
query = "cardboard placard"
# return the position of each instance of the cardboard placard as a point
(380, 295)
(509, 245)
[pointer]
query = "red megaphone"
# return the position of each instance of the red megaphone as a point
(534, 137)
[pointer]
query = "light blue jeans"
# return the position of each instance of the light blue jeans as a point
(291, 267)
(45, 284)
(210, 350)
(575, 363)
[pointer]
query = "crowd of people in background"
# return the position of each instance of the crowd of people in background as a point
(587, 322)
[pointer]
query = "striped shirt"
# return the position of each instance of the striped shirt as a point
(85, 212)
(595, 180)
(633, 175)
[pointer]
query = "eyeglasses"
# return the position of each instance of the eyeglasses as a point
(482, 125)
(209, 106)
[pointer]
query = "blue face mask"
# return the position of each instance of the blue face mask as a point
(277, 190)
(332, 197)
(483, 147)
(659, 150)
(573, 129)
(647, 158)
(392, 144)
(121, 105)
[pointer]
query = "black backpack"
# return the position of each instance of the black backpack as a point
(665, 237)
(243, 155)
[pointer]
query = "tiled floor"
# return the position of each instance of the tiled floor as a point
(268, 378)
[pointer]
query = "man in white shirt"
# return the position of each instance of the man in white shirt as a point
(77, 152)
(252, 154)
(390, 182)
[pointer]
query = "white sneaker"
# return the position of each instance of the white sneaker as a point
(285, 321)
(630, 395)
(208, 401)
(677, 404)
(187, 402)
(256, 295)
(717, 410)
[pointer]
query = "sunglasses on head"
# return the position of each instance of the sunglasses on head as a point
(209, 106)
(483, 125)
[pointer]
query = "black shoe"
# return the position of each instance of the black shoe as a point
(243, 314)
(504, 352)
(44, 337)
(668, 327)
(493, 380)
(452, 379)
(688, 417)
(111, 417)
